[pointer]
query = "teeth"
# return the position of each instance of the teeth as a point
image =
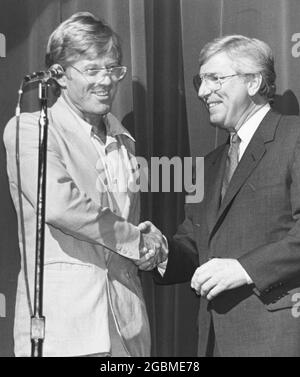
(98, 93)
(213, 104)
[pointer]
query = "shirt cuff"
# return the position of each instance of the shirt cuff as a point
(249, 280)
(162, 267)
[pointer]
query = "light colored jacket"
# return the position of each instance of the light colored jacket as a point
(88, 247)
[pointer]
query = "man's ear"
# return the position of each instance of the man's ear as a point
(61, 76)
(56, 71)
(254, 84)
(61, 81)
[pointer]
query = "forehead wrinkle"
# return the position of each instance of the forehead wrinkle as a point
(97, 63)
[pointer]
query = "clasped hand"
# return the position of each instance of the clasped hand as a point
(153, 247)
(216, 276)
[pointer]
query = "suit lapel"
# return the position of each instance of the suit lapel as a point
(77, 139)
(251, 158)
(214, 173)
(76, 136)
(249, 161)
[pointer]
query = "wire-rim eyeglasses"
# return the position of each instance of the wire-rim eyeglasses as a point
(213, 81)
(116, 73)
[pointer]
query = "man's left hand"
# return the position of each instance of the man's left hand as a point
(218, 275)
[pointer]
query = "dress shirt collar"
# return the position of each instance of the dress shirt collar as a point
(113, 125)
(248, 129)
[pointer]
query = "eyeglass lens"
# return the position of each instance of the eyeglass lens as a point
(115, 73)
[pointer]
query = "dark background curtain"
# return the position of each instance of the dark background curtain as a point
(156, 102)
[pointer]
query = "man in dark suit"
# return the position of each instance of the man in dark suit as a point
(240, 246)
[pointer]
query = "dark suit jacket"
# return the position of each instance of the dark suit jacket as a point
(258, 224)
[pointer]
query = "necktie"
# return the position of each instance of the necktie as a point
(231, 161)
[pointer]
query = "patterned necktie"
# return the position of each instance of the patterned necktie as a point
(231, 161)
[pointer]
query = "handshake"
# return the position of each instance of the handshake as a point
(153, 247)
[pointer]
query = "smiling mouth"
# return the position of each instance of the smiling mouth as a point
(101, 93)
(212, 105)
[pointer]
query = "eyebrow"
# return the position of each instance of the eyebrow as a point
(214, 74)
(96, 66)
(211, 73)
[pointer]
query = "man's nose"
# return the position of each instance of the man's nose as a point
(104, 78)
(204, 90)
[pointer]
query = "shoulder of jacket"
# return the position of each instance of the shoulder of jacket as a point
(27, 120)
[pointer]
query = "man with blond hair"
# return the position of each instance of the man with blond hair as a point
(93, 299)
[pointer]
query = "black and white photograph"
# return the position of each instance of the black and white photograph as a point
(150, 181)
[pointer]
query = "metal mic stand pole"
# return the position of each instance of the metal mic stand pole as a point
(37, 320)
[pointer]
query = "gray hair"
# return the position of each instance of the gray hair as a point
(248, 55)
(82, 34)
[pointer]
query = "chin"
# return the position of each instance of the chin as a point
(218, 124)
(216, 121)
(103, 110)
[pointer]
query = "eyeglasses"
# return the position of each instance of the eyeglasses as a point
(115, 73)
(213, 81)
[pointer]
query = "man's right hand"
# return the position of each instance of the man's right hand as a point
(153, 247)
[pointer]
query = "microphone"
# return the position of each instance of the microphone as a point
(54, 71)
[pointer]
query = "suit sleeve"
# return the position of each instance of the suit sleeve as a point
(183, 255)
(274, 264)
(67, 207)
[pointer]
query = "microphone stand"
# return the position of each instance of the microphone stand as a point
(37, 320)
